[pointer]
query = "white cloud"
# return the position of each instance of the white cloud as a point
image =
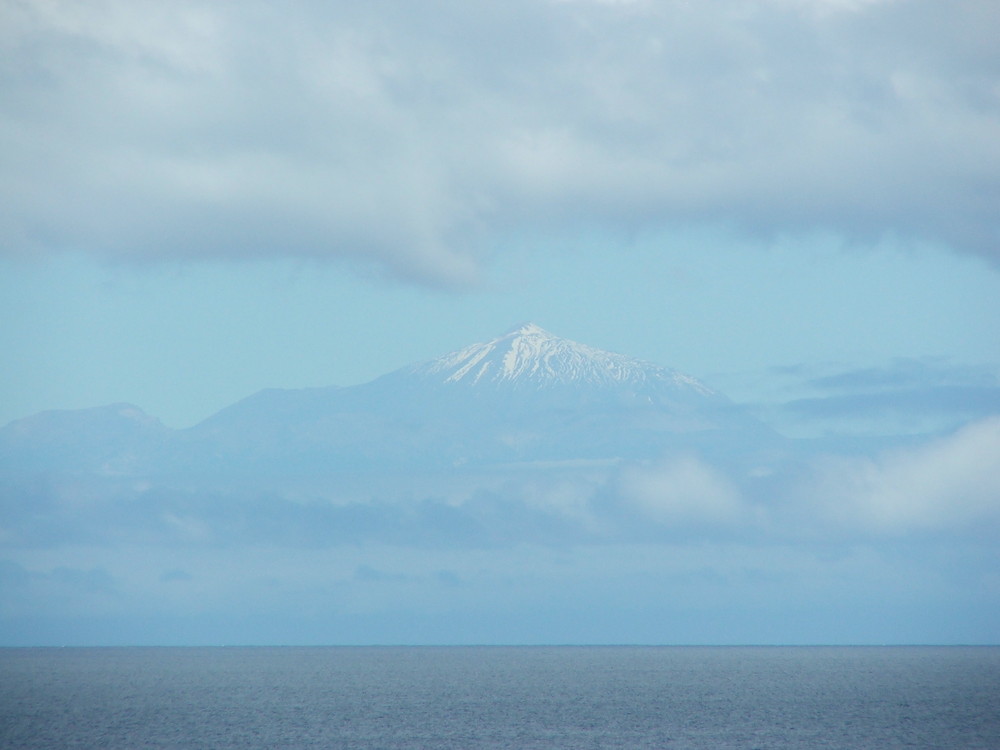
(566, 497)
(681, 491)
(411, 137)
(947, 484)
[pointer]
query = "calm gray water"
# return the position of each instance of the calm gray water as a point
(497, 697)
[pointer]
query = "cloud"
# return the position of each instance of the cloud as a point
(681, 491)
(905, 396)
(905, 372)
(820, 549)
(952, 483)
(62, 588)
(911, 408)
(412, 138)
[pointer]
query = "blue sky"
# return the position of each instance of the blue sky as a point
(203, 200)
(797, 201)
(186, 340)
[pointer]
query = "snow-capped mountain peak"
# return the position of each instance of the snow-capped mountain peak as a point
(528, 354)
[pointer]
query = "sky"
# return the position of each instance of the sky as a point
(796, 201)
(204, 200)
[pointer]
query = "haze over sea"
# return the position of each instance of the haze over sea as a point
(683, 698)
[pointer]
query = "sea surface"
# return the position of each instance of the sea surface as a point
(499, 697)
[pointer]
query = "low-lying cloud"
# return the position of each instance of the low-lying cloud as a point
(413, 137)
(951, 483)
(939, 486)
(682, 491)
(808, 549)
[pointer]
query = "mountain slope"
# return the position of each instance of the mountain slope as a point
(524, 396)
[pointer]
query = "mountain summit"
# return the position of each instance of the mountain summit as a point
(528, 354)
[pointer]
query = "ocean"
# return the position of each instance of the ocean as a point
(681, 698)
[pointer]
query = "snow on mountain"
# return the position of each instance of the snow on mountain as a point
(529, 354)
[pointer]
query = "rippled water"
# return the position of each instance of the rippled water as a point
(497, 697)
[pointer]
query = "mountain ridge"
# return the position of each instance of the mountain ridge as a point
(526, 395)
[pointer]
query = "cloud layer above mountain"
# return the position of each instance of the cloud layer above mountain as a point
(413, 137)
